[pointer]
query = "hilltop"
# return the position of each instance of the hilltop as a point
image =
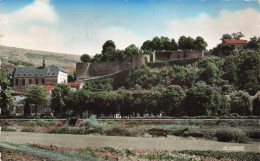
(35, 56)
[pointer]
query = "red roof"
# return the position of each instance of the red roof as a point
(73, 84)
(48, 88)
(235, 41)
(18, 93)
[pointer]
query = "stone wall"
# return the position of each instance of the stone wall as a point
(170, 55)
(170, 63)
(87, 70)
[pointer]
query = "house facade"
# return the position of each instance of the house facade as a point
(44, 75)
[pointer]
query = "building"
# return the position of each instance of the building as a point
(44, 75)
(240, 44)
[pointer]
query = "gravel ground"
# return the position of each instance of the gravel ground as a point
(170, 143)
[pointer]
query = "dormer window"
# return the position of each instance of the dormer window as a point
(19, 74)
(24, 75)
(36, 74)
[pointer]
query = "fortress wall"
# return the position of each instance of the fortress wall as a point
(103, 68)
(169, 55)
(170, 63)
(82, 70)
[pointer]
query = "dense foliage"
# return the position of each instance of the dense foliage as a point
(6, 99)
(201, 100)
(59, 95)
(105, 84)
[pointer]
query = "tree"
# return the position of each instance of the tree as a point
(59, 95)
(254, 43)
(6, 99)
(211, 71)
(85, 58)
(226, 36)
(131, 50)
(186, 43)
(97, 58)
(248, 78)
(240, 103)
(165, 43)
(105, 84)
(79, 101)
(37, 97)
(201, 100)
(174, 45)
(237, 35)
(144, 77)
(200, 43)
(228, 49)
(172, 97)
(71, 77)
(108, 44)
(147, 46)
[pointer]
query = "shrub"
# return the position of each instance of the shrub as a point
(119, 132)
(234, 135)
(220, 154)
(27, 130)
(179, 132)
(42, 123)
(7, 129)
(68, 131)
(255, 134)
(193, 134)
(156, 132)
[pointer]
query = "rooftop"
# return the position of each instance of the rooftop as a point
(235, 41)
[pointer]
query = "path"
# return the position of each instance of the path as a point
(93, 141)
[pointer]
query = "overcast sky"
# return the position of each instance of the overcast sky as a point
(82, 26)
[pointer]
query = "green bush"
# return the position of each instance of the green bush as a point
(68, 131)
(105, 84)
(27, 130)
(221, 154)
(7, 129)
(233, 135)
(254, 134)
(119, 132)
(178, 132)
(156, 132)
(193, 133)
(41, 123)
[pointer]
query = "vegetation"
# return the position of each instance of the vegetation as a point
(232, 135)
(119, 132)
(6, 99)
(221, 154)
(201, 100)
(59, 95)
(27, 130)
(36, 96)
(105, 84)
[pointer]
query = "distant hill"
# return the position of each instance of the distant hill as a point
(35, 57)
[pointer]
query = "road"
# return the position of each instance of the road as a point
(170, 143)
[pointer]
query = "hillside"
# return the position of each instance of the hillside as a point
(35, 57)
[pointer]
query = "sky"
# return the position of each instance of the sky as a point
(83, 26)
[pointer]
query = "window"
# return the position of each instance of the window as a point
(43, 81)
(16, 82)
(23, 82)
(36, 81)
(30, 81)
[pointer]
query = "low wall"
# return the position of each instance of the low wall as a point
(170, 63)
(170, 55)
